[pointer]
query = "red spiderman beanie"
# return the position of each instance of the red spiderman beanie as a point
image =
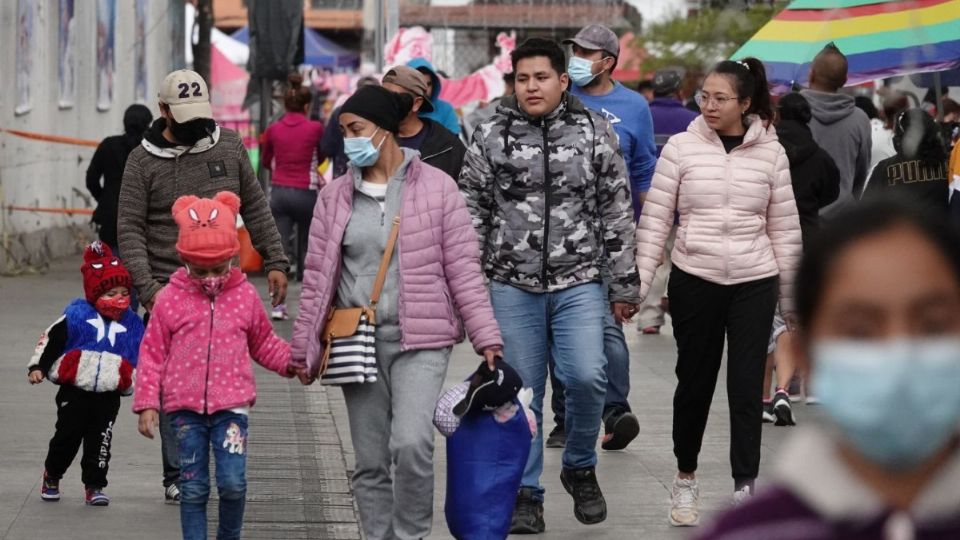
(102, 271)
(208, 228)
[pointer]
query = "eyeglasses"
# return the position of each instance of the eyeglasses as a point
(705, 101)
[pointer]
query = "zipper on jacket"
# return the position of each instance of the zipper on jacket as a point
(726, 218)
(206, 380)
(440, 153)
(547, 191)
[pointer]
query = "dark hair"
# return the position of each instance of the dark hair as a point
(830, 67)
(136, 120)
(794, 106)
(866, 105)
(860, 221)
(893, 105)
(645, 84)
(297, 97)
(917, 136)
(540, 47)
(509, 78)
(750, 81)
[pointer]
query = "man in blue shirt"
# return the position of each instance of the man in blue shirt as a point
(595, 52)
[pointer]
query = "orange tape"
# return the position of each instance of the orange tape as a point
(68, 211)
(51, 138)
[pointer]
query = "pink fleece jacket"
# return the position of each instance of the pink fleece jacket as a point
(738, 217)
(439, 266)
(196, 352)
(290, 147)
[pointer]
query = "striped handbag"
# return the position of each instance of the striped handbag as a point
(349, 354)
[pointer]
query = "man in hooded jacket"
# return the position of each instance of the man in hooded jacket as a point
(442, 112)
(838, 126)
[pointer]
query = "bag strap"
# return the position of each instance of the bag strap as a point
(385, 263)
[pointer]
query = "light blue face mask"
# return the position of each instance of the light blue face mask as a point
(360, 150)
(895, 402)
(581, 70)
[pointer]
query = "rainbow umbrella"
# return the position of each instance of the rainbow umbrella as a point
(880, 38)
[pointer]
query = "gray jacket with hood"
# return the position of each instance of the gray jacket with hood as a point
(157, 173)
(843, 130)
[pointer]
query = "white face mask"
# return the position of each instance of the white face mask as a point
(895, 402)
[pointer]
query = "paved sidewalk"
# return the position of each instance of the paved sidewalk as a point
(298, 471)
(297, 482)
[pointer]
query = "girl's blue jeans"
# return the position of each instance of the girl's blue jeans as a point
(226, 432)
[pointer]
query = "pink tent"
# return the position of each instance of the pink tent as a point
(229, 84)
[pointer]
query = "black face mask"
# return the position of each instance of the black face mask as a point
(188, 133)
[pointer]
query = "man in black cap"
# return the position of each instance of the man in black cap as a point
(436, 144)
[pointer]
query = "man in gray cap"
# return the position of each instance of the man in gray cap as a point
(436, 144)
(595, 52)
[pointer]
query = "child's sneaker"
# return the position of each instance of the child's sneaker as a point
(279, 313)
(172, 495)
(49, 488)
(96, 497)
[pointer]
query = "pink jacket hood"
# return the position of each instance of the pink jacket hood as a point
(738, 216)
(196, 353)
(438, 259)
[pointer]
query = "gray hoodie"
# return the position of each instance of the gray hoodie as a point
(843, 130)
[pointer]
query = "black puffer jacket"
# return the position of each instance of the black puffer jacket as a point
(108, 163)
(815, 177)
(442, 149)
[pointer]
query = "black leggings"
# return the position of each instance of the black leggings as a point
(293, 206)
(704, 314)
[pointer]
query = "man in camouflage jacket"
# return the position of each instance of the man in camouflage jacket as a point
(547, 187)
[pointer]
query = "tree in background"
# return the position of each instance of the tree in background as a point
(702, 39)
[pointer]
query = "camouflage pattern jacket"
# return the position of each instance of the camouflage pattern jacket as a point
(550, 200)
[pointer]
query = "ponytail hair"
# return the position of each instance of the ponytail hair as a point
(297, 97)
(749, 78)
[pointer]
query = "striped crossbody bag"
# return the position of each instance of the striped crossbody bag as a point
(349, 353)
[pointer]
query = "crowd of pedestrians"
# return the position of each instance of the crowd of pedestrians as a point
(576, 205)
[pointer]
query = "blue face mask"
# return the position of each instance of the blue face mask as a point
(360, 150)
(581, 70)
(895, 402)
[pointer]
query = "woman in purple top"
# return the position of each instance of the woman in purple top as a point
(881, 335)
(290, 149)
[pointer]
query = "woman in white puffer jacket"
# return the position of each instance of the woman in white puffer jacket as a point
(739, 238)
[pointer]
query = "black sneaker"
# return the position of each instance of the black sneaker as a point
(589, 506)
(557, 438)
(782, 409)
(527, 514)
(619, 430)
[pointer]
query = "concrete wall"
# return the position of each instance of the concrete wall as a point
(45, 174)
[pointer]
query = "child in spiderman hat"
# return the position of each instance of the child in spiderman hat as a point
(91, 352)
(195, 360)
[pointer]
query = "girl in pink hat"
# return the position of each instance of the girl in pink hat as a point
(194, 360)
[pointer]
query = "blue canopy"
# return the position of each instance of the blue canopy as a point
(317, 50)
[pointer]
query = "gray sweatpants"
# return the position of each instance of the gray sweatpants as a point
(391, 426)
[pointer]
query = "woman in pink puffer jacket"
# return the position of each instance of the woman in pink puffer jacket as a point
(434, 273)
(739, 238)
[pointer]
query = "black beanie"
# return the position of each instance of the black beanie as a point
(380, 106)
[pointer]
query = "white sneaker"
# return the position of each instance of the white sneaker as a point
(742, 495)
(279, 313)
(685, 503)
(812, 400)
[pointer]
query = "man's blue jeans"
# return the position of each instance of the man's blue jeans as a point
(568, 325)
(226, 431)
(618, 371)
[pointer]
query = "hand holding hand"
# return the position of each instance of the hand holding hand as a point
(623, 312)
(149, 419)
